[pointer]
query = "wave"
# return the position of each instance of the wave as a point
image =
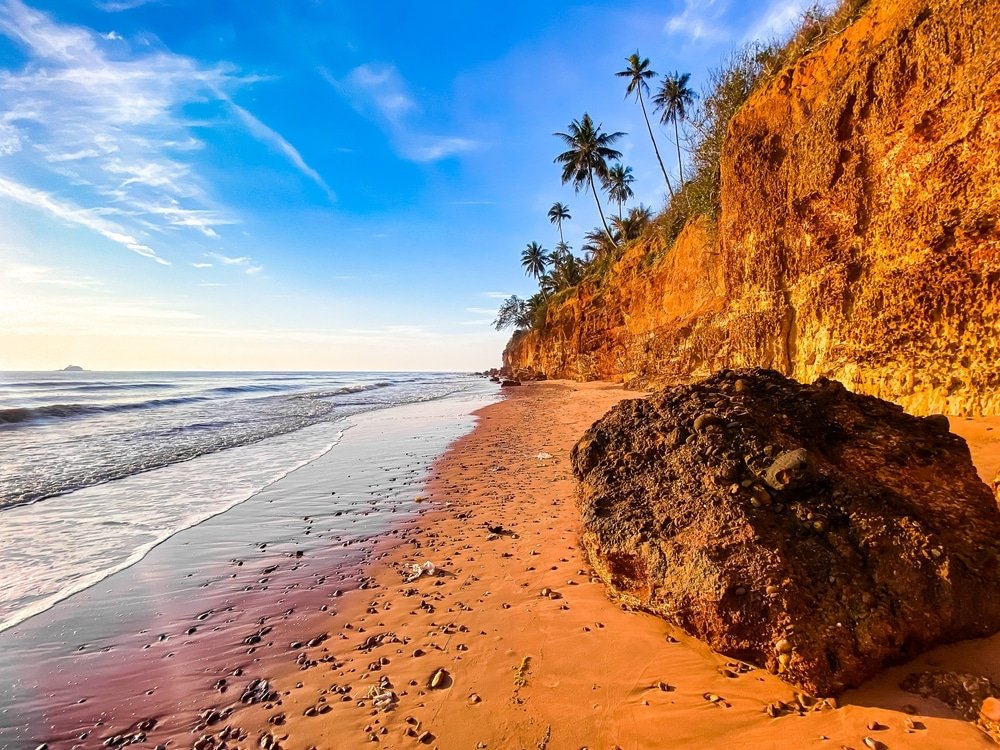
(21, 414)
(343, 391)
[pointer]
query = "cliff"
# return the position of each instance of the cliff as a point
(857, 236)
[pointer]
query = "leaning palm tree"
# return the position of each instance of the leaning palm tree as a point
(598, 244)
(588, 154)
(558, 214)
(619, 185)
(674, 98)
(637, 72)
(534, 259)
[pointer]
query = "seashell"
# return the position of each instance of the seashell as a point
(438, 678)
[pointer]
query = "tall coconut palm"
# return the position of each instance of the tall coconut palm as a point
(619, 185)
(534, 259)
(558, 214)
(588, 154)
(638, 72)
(673, 99)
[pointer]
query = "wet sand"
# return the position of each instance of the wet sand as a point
(143, 654)
(512, 644)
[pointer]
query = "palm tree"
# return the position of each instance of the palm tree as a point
(598, 244)
(588, 154)
(634, 223)
(558, 214)
(619, 185)
(674, 98)
(534, 259)
(637, 72)
(561, 252)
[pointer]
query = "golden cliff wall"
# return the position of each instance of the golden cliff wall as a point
(858, 235)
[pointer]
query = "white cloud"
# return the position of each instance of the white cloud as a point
(378, 91)
(67, 212)
(111, 122)
(701, 20)
(253, 270)
(10, 142)
(496, 295)
(430, 148)
(202, 265)
(116, 6)
(43, 275)
(262, 132)
(779, 18)
(229, 261)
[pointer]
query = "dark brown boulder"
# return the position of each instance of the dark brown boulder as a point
(814, 532)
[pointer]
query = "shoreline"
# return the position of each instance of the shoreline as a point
(533, 652)
(160, 642)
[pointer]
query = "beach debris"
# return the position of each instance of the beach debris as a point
(439, 679)
(973, 697)
(543, 456)
(787, 488)
(381, 696)
(427, 569)
(258, 691)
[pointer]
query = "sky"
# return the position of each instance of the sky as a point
(308, 184)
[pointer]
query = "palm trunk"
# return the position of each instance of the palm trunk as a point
(599, 209)
(655, 149)
(677, 139)
(561, 240)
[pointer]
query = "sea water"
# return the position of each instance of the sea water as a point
(96, 469)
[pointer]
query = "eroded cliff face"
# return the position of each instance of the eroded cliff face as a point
(857, 239)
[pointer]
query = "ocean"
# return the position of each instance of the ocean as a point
(98, 468)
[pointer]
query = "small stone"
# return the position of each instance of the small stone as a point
(873, 744)
(783, 646)
(990, 709)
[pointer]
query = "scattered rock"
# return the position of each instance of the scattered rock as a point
(677, 528)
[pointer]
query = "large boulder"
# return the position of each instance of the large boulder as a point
(805, 529)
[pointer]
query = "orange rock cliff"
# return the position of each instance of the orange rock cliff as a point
(857, 236)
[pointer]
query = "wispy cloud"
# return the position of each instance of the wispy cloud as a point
(88, 218)
(701, 20)
(116, 6)
(378, 91)
(229, 261)
(778, 19)
(202, 265)
(250, 268)
(274, 139)
(110, 121)
(496, 295)
(43, 275)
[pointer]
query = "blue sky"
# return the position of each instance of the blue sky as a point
(307, 184)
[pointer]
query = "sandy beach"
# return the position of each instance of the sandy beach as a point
(513, 644)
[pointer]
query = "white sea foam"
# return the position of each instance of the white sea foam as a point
(53, 549)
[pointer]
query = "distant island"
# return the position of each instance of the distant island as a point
(72, 368)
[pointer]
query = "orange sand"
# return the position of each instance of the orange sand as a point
(589, 671)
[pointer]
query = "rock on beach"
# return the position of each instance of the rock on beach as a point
(805, 529)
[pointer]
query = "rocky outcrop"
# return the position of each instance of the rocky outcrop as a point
(857, 237)
(806, 529)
